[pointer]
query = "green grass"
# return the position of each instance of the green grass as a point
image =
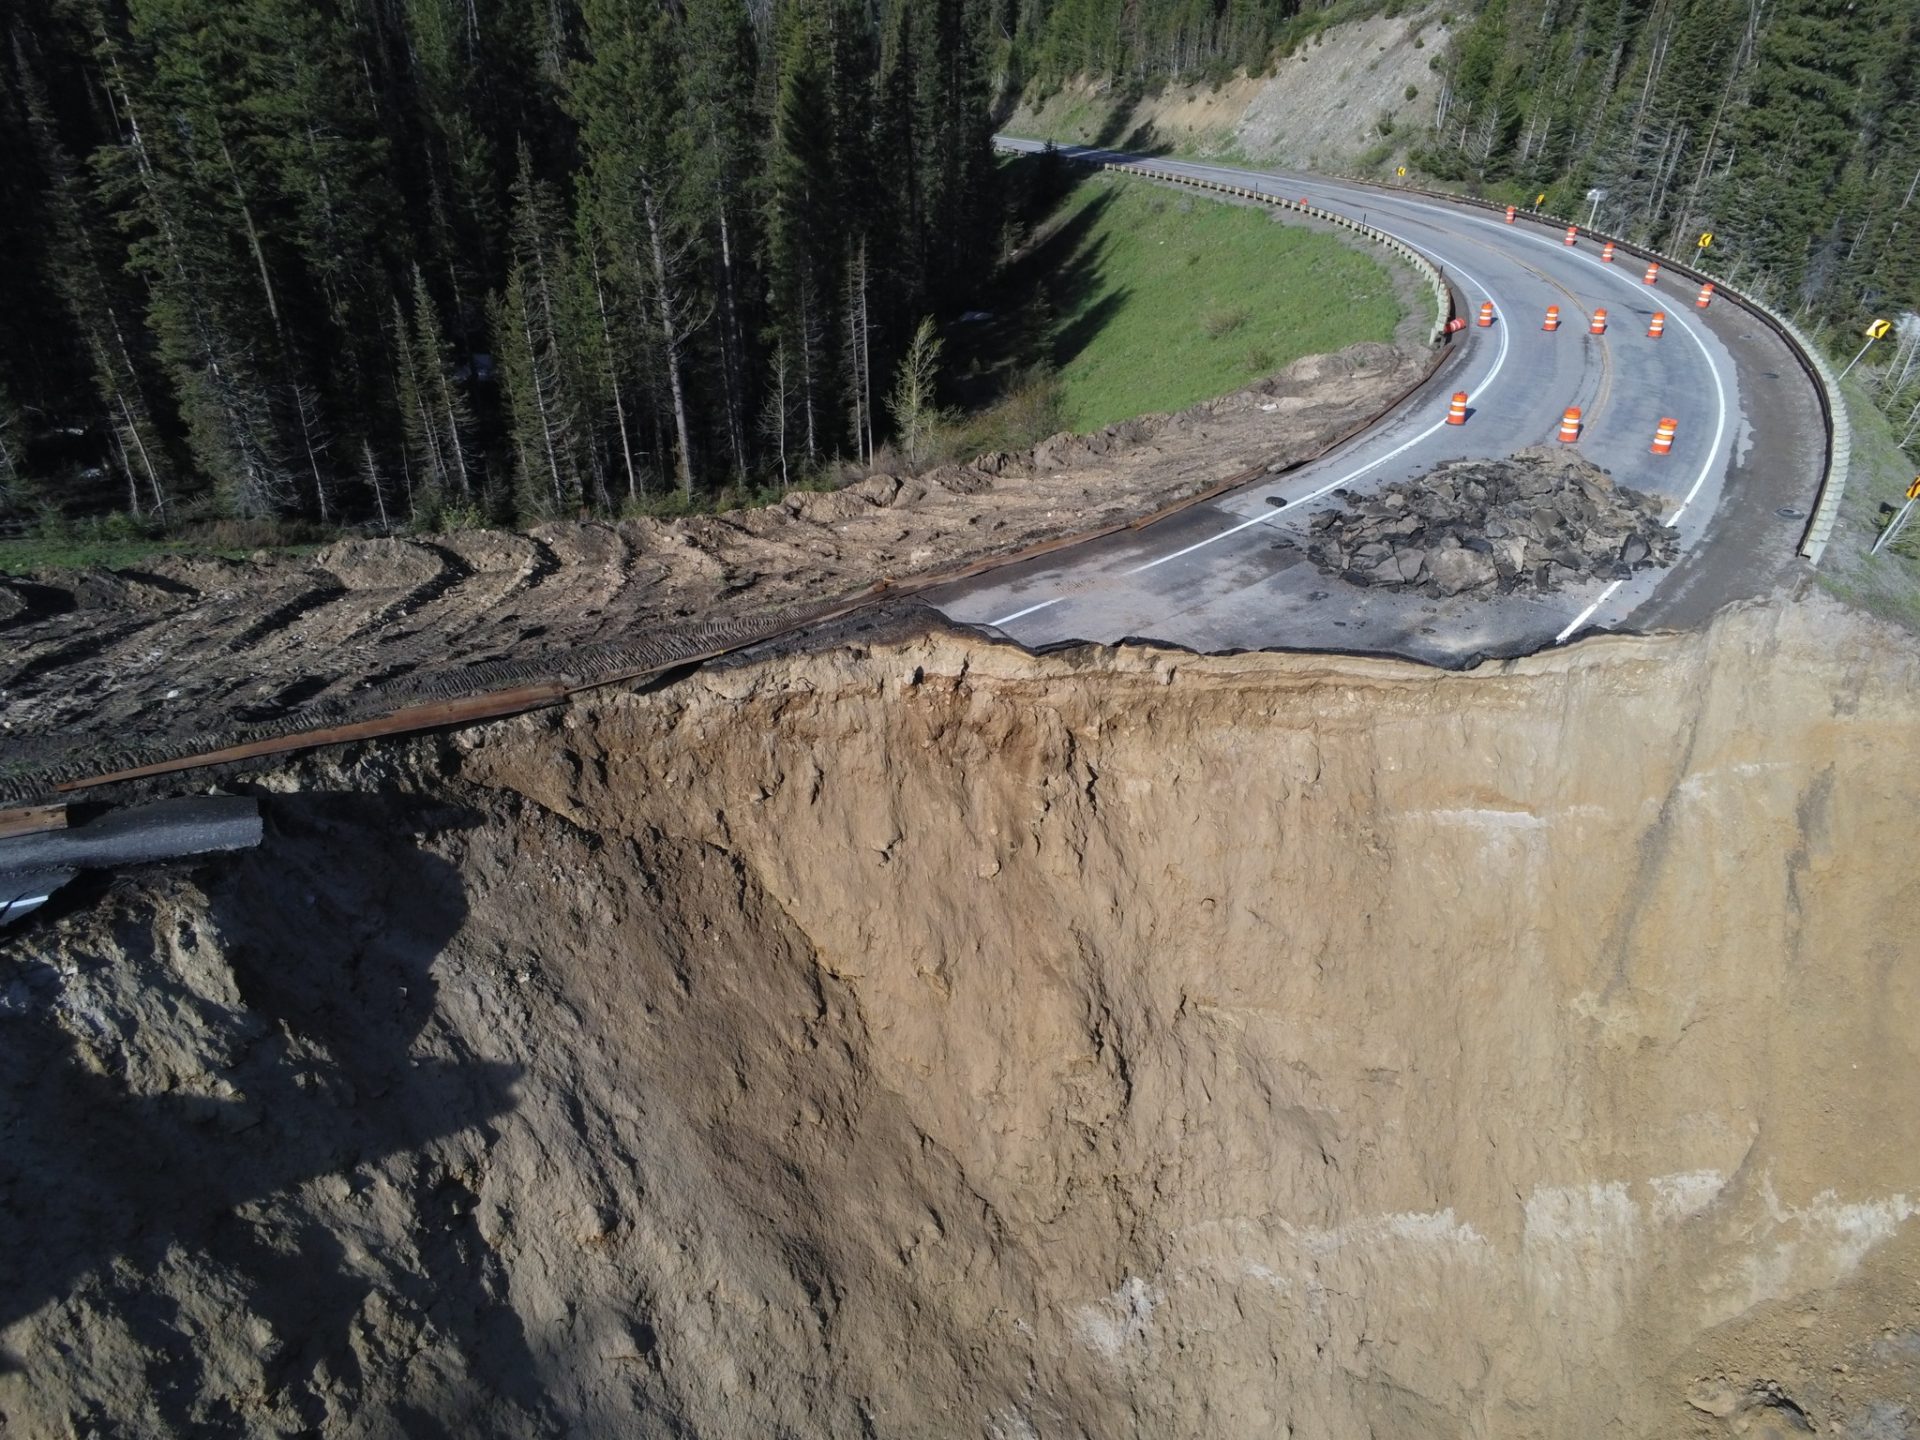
(1166, 300)
(1887, 584)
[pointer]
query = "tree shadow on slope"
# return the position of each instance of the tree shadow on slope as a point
(1050, 303)
(330, 929)
(1120, 131)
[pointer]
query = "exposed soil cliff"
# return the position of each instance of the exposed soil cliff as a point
(937, 1040)
(1354, 92)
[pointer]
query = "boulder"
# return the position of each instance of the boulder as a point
(1455, 571)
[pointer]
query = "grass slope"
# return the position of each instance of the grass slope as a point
(1162, 299)
(1887, 584)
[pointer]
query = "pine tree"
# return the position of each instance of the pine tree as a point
(626, 98)
(443, 405)
(803, 221)
(717, 43)
(916, 412)
(526, 321)
(97, 309)
(13, 454)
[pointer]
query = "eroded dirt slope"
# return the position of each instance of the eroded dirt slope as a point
(934, 1040)
(187, 649)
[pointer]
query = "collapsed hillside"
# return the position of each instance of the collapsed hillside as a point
(933, 1039)
(186, 649)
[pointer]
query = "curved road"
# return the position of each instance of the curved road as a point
(1738, 485)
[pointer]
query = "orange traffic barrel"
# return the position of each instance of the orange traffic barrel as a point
(1486, 313)
(1663, 435)
(1706, 296)
(1570, 425)
(1457, 408)
(1456, 325)
(1511, 212)
(1606, 253)
(1599, 325)
(1303, 202)
(1652, 277)
(1657, 326)
(1572, 232)
(1553, 318)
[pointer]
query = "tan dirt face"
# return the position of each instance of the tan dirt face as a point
(934, 1039)
(1321, 108)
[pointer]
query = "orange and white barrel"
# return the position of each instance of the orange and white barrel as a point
(1486, 313)
(1457, 408)
(1573, 233)
(1512, 210)
(1657, 326)
(1706, 296)
(1553, 318)
(1570, 425)
(1652, 277)
(1606, 253)
(1599, 325)
(1663, 435)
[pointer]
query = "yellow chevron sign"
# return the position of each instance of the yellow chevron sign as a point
(1706, 239)
(1878, 329)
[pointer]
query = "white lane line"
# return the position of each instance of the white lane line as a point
(1621, 277)
(1009, 619)
(1499, 360)
(1582, 617)
(1679, 318)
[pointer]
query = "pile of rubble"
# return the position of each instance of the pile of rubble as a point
(1529, 524)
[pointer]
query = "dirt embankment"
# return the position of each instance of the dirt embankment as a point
(936, 1040)
(1365, 88)
(188, 649)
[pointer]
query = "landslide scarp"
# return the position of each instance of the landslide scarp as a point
(933, 1039)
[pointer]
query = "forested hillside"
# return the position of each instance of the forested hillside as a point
(1790, 129)
(404, 259)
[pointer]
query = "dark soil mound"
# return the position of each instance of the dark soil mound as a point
(1531, 524)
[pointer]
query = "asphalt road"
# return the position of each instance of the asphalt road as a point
(35, 865)
(1738, 485)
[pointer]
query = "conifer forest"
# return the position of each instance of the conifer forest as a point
(1790, 129)
(405, 261)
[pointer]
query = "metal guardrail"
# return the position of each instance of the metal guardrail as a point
(1437, 288)
(1833, 409)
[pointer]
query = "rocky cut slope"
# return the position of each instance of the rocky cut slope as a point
(929, 1039)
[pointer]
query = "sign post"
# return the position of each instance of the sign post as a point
(1895, 525)
(1875, 331)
